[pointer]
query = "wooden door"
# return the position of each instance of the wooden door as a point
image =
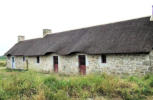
(82, 64)
(55, 62)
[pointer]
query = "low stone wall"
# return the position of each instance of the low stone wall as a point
(128, 64)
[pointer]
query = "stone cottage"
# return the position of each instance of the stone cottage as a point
(120, 48)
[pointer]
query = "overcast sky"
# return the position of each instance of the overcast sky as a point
(29, 17)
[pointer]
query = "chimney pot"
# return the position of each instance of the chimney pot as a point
(46, 31)
(21, 38)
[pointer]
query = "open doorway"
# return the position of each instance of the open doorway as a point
(82, 64)
(55, 62)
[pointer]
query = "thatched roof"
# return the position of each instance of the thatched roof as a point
(132, 36)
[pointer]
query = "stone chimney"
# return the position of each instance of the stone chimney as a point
(46, 31)
(21, 38)
(151, 18)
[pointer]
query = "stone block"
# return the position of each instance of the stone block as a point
(146, 63)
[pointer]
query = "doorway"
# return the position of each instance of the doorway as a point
(55, 62)
(13, 63)
(82, 64)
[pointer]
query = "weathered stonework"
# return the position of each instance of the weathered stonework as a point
(127, 64)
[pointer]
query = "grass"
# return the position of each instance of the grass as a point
(2, 61)
(29, 85)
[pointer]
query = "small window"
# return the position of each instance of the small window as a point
(103, 58)
(38, 59)
(23, 58)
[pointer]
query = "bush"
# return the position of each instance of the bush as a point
(16, 87)
(2, 63)
(151, 83)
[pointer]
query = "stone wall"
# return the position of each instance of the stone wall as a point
(151, 62)
(19, 64)
(133, 64)
(121, 64)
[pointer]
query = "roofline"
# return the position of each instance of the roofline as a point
(130, 53)
(99, 25)
(89, 27)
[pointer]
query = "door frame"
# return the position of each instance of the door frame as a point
(82, 67)
(55, 63)
(13, 62)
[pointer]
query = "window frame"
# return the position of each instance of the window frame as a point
(80, 57)
(55, 60)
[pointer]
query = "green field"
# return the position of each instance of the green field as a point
(2, 58)
(30, 85)
(2, 61)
